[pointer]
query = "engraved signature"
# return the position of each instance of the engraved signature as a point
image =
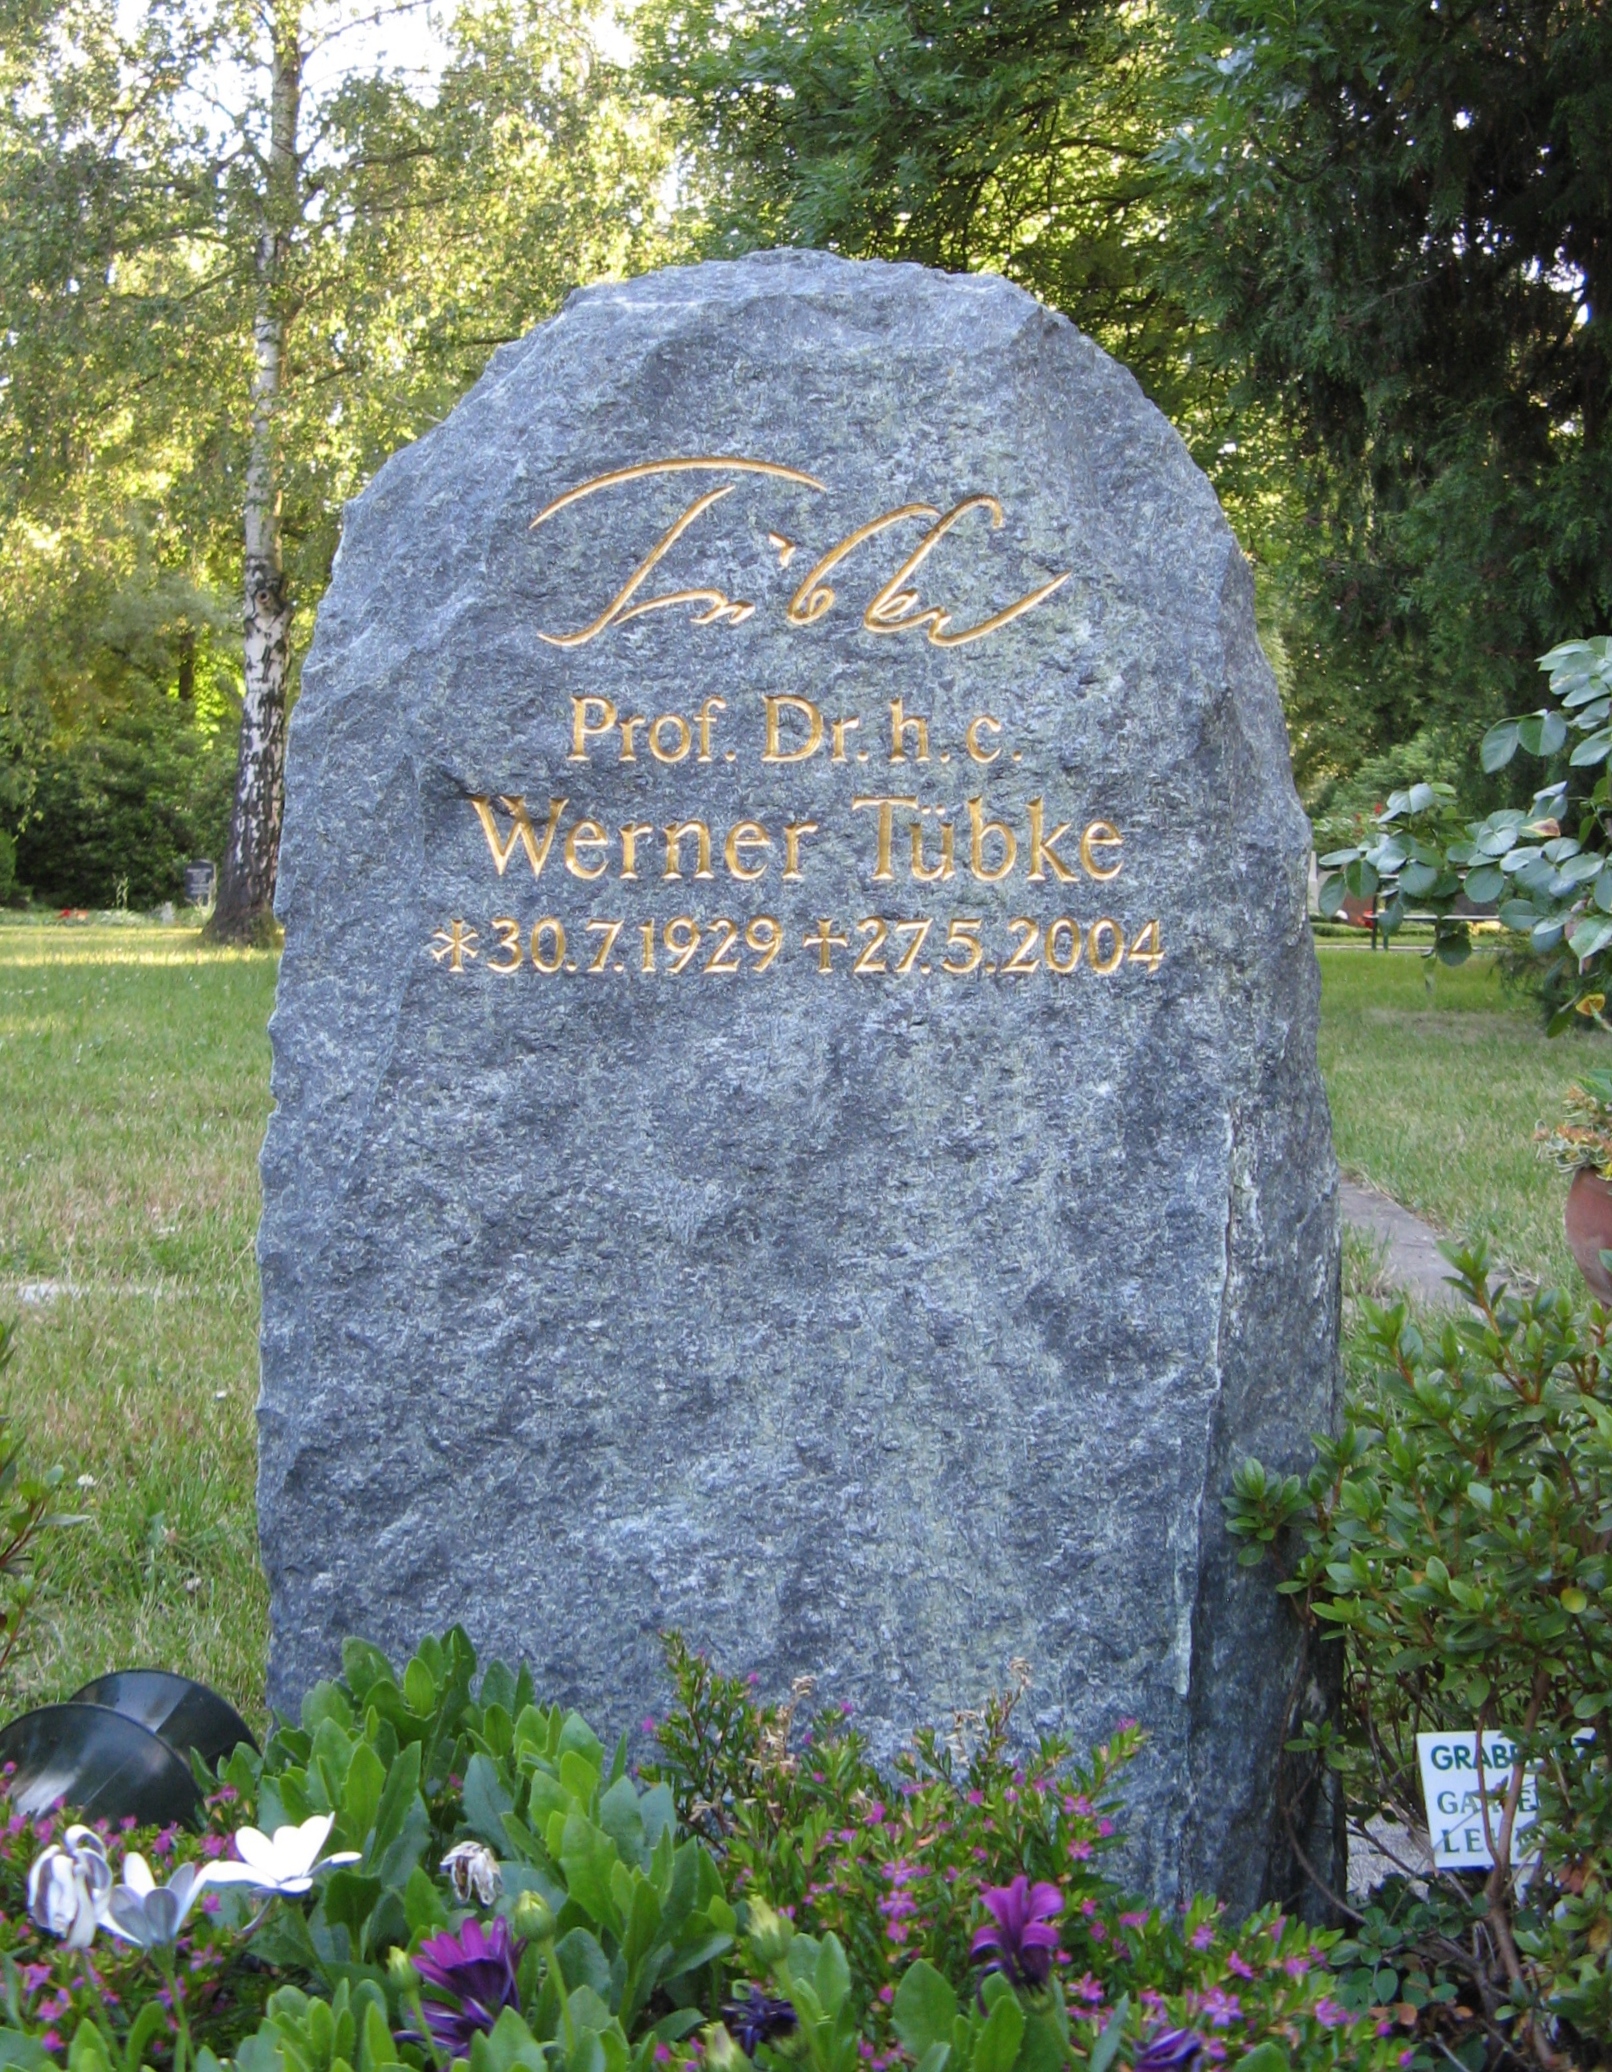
(895, 607)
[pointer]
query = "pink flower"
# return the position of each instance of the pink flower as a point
(1221, 2008)
(1330, 2015)
(976, 1798)
(1203, 1936)
(887, 1994)
(1080, 1849)
(1239, 1966)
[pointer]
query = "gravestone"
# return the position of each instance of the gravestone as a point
(795, 1052)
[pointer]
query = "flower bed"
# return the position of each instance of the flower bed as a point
(434, 1868)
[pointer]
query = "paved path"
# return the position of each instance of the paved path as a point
(1414, 1261)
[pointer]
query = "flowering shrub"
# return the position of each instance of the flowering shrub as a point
(1456, 1534)
(442, 1871)
(917, 1865)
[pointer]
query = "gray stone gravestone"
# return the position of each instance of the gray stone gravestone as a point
(795, 1053)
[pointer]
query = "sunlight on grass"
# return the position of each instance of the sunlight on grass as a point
(136, 1072)
(1435, 1095)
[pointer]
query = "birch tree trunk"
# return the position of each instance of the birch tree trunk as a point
(245, 909)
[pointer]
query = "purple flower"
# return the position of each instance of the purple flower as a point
(756, 2020)
(1019, 1940)
(475, 1970)
(1170, 2050)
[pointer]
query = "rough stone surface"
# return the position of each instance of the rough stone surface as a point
(885, 1326)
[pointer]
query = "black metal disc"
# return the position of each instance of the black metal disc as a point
(184, 1713)
(103, 1765)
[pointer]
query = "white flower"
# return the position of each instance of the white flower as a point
(68, 1887)
(144, 1912)
(472, 1867)
(286, 1864)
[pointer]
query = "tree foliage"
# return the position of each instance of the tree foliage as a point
(1397, 223)
(423, 221)
(1357, 249)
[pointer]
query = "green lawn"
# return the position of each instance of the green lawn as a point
(1436, 1093)
(135, 1069)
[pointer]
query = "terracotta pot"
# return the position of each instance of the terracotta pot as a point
(1588, 1219)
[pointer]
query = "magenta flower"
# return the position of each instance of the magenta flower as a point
(473, 1976)
(1019, 1940)
(1170, 2050)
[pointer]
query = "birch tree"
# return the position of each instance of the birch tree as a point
(241, 260)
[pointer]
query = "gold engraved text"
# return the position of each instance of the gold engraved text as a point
(894, 608)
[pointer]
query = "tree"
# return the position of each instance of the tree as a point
(1010, 135)
(1394, 220)
(234, 276)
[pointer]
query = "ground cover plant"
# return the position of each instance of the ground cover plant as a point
(433, 1867)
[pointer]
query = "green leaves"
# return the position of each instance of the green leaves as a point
(924, 2011)
(1551, 885)
(1463, 1550)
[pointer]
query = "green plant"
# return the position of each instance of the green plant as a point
(8, 865)
(130, 801)
(1552, 885)
(349, 2032)
(889, 1872)
(1456, 1534)
(410, 1765)
(1582, 1142)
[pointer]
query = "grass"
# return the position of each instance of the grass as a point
(135, 1070)
(1436, 1093)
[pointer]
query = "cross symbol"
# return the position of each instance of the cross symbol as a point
(825, 944)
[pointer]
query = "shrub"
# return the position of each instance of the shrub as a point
(1456, 1535)
(8, 866)
(117, 814)
(1549, 866)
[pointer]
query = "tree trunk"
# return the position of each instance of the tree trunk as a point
(245, 909)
